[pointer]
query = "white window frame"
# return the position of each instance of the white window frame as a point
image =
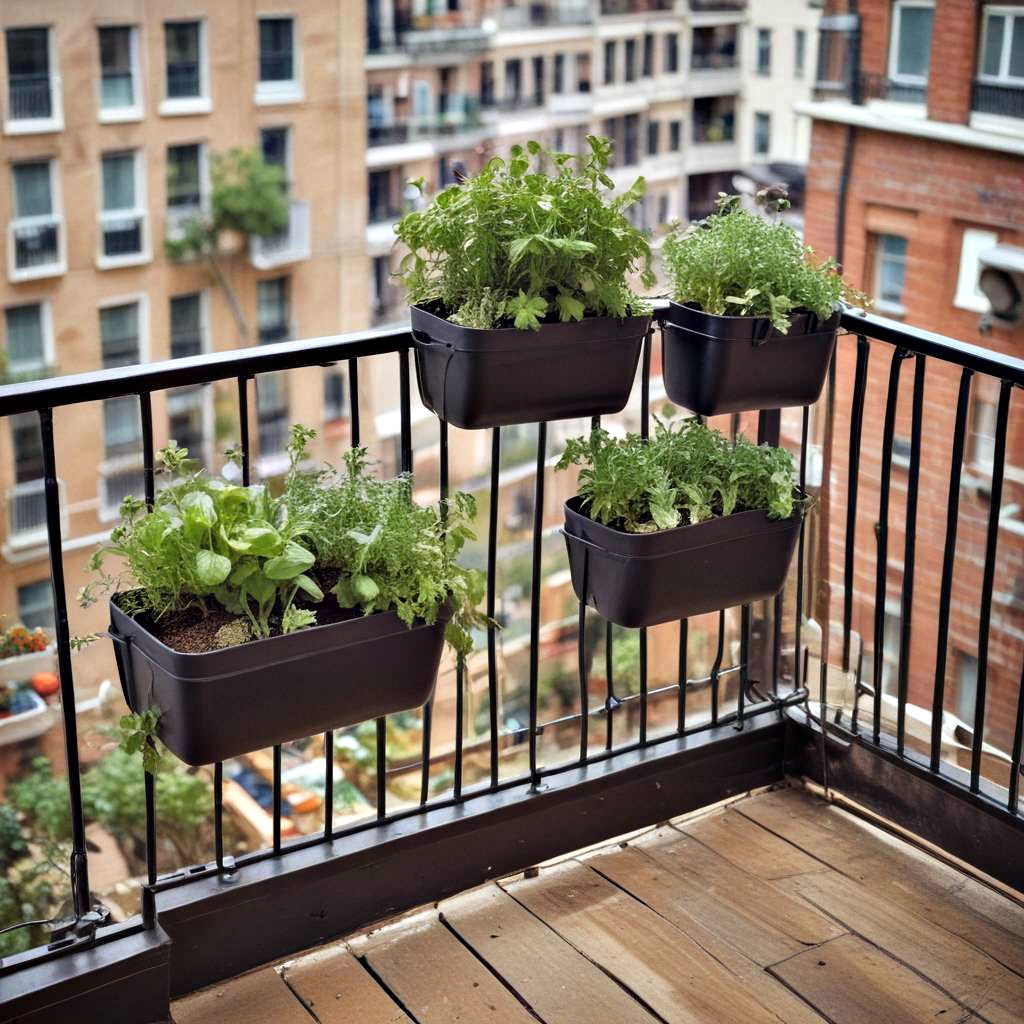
(1003, 76)
(972, 243)
(183, 106)
(170, 229)
(140, 210)
(46, 326)
(141, 299)
(37, 125)
(885, 305)
(55, 217)
(136, 112)
(290, 91)
(894, 41)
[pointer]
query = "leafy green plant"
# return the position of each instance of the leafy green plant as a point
(686, 473)
(137, 733)
(515, 246)
(736, 263)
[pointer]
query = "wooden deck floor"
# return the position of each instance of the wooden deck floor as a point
(777, 908)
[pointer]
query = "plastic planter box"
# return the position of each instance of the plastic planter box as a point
(224, 703)
(475, 378)
(21, 668)
(717, 364)
(642, 579)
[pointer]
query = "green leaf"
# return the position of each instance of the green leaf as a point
(526, 310)
(364, 588)
(306, 584)
(211, 569)
(294, 560)
(569, 307)
(200, 506)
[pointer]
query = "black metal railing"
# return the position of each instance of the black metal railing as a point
(768, 677)
(36, 245)
(1002, 100)
(30, 97)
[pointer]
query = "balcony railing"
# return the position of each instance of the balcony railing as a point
(881, 87)
(800, 685)
(1001, 100)
(424, 35)
(26, 514)
(35, 247)
(718, 6)
(543, 15)
(461, 116)
(287, 246)
(33, 102)
(636, 6)
(123, 235)
(714, 61)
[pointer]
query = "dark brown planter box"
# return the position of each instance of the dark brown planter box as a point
(229, 702)
(718, 364)
(475, 378)
(642, 579)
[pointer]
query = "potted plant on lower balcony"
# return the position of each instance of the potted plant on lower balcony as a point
(228, 642)
(678, 525)
(518, 278)
(753, 320)
(23, 653)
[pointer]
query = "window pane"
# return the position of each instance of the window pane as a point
(915, 41)
(119, 331)
(32, 196)
(117, 88)
(892, 254)
(183, 176)
(181, 39)
(276, 51)
(28, 52)
(993, 49)
(185, 419)
(272, 309)
(27, 443)
(25, 350)
(274, 144)
(186, 325)
(1017, 48)
(119, 181)
(35, 605)
(122, 428)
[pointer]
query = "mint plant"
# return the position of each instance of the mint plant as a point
(736, 263)
(520, 246)
(685, 474)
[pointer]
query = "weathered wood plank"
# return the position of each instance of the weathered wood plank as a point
(634, 871)
(337, 989)
(258, 998)
(437, 979)
(970, 975)
(896, 871)
(643, 951)
(851, 982)
(555, 980)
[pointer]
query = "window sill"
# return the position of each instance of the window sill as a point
(270, 93)
(116, 262)
(121, 115)
(37, 273)
(894, 310)
(185, 106)
(33, 126)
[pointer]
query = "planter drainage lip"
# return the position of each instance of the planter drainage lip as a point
(754, 329)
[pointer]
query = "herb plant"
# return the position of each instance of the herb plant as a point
(686, 473)
(520, 246)
(736, 263)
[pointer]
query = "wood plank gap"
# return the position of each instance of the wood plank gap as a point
(386, 988)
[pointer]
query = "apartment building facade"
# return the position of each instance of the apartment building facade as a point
(916, 172)
(112, 113)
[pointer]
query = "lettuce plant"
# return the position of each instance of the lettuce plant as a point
(736, 263)
(685, 474)
(518, 246)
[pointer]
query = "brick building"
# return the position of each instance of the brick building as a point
(917, 167)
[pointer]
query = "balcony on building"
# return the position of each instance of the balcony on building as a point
(714, 60)
(717, 6)
(553, 14)
(457, 116)
(35, 247)
(713, 146)
(289, 245)
(26, 516)
(392, 26)
(612, 7)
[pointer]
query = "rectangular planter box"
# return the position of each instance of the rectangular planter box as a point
(224, 703)
(642, 579)
(475, 378)
(721, 364)
(22, 668)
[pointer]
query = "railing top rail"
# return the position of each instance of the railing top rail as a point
(201, 369)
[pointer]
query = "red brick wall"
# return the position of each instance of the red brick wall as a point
(928, 192)
(954, 57)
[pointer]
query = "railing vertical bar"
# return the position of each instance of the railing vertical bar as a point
(719, 652)
(244, 428)
(51, 491)
(853, 479)
(610, 701)
(909, 553)
(1013, 802)
(988, 580)
(277, 798)
(684, 642)
(643, 686)
(218, 814)
(776, 638)
(492, 565)
(581, 655)
(948, 563)
(799, 612)
(883, 534)
(645, 386)
(538, 531)
(353, 401)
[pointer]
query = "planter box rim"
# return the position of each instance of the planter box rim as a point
(735, 328)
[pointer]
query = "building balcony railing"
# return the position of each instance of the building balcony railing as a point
(33, 103)
(35, 247)
(636, 6)
(713, 61)
(290, 245)
(881, 87)
(995, 98)
(718, 6)
(463, 116)
(123, 237)
(554, 13)
(799, 684)
(428, 34)
(26, 514)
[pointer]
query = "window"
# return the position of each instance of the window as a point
(272, 413)
(1002, 46)
(35, 234)
(675, 136)
(27, 445)
(272, 310)
(187, 327)
(647, 69)
(664, 209)
(120, 334)
(35, 605)
(278, 62)
(122, 431)
(558, 74)
(762, 133)
(672, 53)
(910, 44)
(28, 339)
(968, 294)
(764, 51)
(185, 88)
(120, 84)
(123, 220)
(714, 119)
(276, 150)
(487, 82)
(538, 81)
(966, 687)
(513, 80)
(630, 60)
(185, 174)
(33, 93)
(185, 419)
(653, 137)
(335, 398)
(799, 52)
(609, 61)
(890, 272)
